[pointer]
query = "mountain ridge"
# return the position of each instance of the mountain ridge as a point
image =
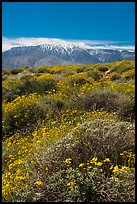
(63, 53)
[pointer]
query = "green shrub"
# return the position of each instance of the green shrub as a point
(95, 75)
(28, 85)
(115, 77)
(106, 100)
(21, 114)
(5, 72)
(69, 179)
(26, 77)
(42, 70)
(126, 110)
(102, 69)
(16, 71)
(125, 69)
(130, 76)
(80, 70)
(78, 81)
(4, 77)
(101, 138)
(85, 184)
(56, 104)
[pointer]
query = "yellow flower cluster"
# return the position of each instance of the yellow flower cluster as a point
(68, 161)
(20, 101)
(45, 77)
(126, 73)
(94, 164)
(39, 183)
(72, 186)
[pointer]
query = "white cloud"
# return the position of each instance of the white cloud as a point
(8, 43)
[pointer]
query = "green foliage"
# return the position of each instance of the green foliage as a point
(21, 114)
(103, 69)
(101, 138)
(42, 69)
(107, 100)
(130, 76)
(94, 74)
(115, 77)
(16, 71)
(33, 86)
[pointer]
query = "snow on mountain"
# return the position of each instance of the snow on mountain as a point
(57, 51)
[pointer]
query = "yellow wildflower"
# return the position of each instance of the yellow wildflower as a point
(33, 162)
(106, 160)
(99, 163)
(116, 179)
(81, 165)
(111, 167)
(69, 184)
(116, 170)
(39, 183)
(93, 160)
(19, 161)
(68, 161)
(124, 168)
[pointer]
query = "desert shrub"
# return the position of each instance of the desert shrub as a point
(4, 78)
(70, 86)
(42, 69)
(79, 81)
(45, 82)
(101, 138)
(32, 70)
(67, 73)
(125, 69)
(38, 86)
(25, 86)
(130, 76)
(77, 166)
(30, 84)
(80, 70)
(86, 165)
(126, 109)
(26, 77)
(106, 100)
(114, 69)
(75, 79)
(102, 69)
(26, 67)
(94, 74)
(16, 71)
(56, 104)
(21, 114)
(88, 183)
(58, 70)
(6, 72)
(115, 77)
(11, 94)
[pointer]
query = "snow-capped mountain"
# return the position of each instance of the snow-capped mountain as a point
(57, 51)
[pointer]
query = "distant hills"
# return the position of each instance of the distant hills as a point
(52, 54)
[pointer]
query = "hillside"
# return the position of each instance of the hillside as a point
(68, 133)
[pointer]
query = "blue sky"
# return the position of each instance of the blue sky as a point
(105, 21)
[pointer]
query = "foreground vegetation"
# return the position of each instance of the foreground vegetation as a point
(68, 133)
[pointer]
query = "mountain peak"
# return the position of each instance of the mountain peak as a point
(55, 51)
